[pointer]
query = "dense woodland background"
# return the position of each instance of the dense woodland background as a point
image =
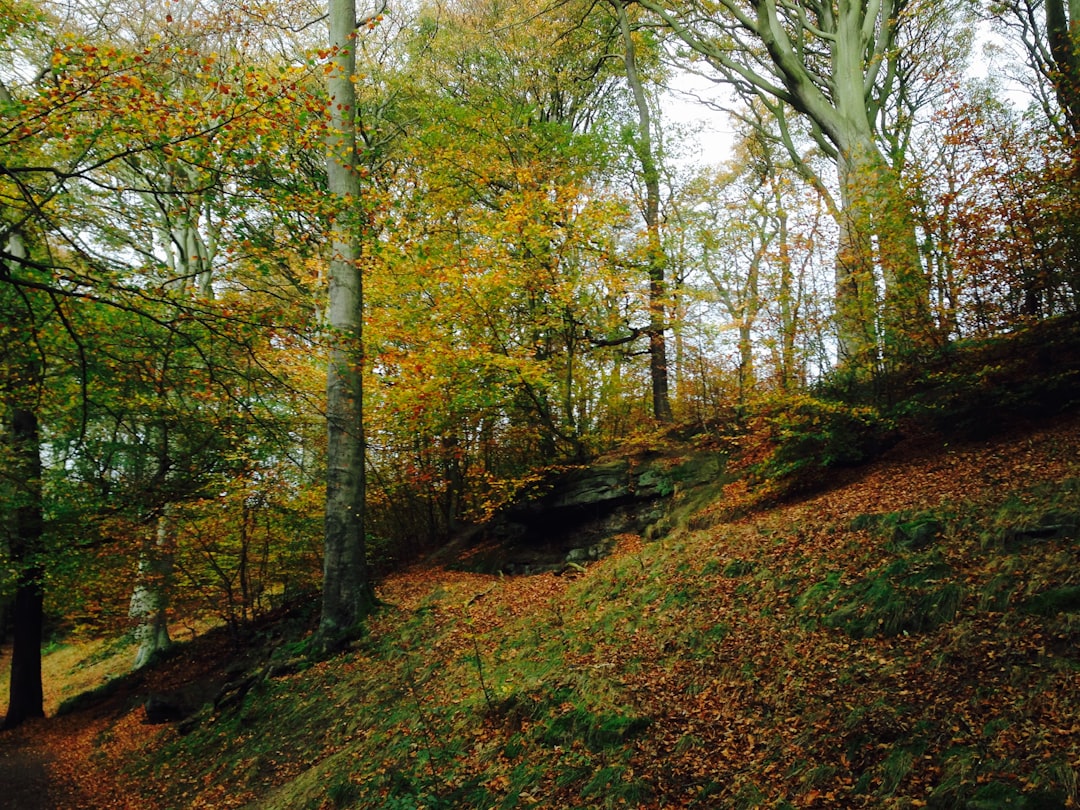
(288, 300)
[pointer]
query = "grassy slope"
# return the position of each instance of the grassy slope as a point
(908, 639)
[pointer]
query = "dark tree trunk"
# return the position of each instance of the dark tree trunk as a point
(1064, 50)
(25, 696)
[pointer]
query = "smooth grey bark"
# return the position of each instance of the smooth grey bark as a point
(657, 258)
(347, 591)
(150, 599)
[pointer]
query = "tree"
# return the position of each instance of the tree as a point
(22, 519)
(656, 259)
(753, 246)
(85, 142)
(1046, 30)
(22, 529)
(994, 215)
(837, 65)
(347, 591)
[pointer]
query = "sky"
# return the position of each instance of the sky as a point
(710, 134)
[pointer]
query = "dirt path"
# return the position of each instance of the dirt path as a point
(25, 781)
(66, 764)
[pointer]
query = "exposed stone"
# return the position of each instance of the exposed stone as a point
(571, 518)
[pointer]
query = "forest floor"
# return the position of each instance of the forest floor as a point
(81, 760)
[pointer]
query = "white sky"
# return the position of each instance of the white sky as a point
(709, 136)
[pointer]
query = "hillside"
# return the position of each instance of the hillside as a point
(906, 637)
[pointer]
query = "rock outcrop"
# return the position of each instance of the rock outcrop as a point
(573, 515)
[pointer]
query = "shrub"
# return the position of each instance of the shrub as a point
(809, 435)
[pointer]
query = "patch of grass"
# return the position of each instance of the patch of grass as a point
(1044, 513)
(739, 568)
(898, 763)
(343, 793)
(615, 786)
(998, 794)
(700, 642)
(906, 530)
(1054, 601)
(598, 730)
(912, 594)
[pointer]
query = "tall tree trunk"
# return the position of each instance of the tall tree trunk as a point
(877, 233)
(25, 694)
(657, 258)
(789, 325)
(24, 534)
(856, 283)
(749, 308)
(150, 599)
(347, 591)
(1061, 17)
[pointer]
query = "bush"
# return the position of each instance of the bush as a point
(810, 435)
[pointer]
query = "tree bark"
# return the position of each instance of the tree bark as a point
(26, 699)
(150, 599)
(657, 258)
(347, 592)
(856, 286)
(878, 234)
(24, 534)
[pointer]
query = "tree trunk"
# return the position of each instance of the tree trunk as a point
(789, 325)
(347, 592)
(856, 284)
(657, 259)
(1060, 19)
(150, 599)
(749, 308)
(877, 233)
(25, 696)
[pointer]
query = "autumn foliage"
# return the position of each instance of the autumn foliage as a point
(854, 310)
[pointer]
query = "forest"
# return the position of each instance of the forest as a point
(296, 296)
